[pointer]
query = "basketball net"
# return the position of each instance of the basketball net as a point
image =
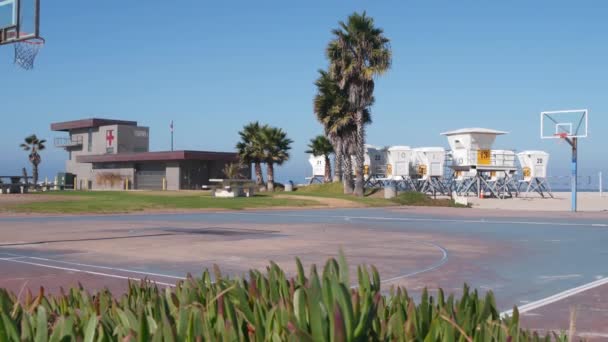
(562, 137)
(26, 52)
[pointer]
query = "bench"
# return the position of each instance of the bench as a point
(14, 184)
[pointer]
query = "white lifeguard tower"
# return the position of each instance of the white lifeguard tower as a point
(481, 170)
(374, 166)
(429, 164)
(318, 169)
(398, 167)
(534, 172)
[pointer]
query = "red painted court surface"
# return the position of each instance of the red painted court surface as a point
(544, 264)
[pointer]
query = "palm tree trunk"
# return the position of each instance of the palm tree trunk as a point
(259, 177)
(338, 163)
(359, 154)
(24, 172)
(327, 169)
(270, 176)
(347, 174)
(34, 174)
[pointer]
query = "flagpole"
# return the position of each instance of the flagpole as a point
(171, 135)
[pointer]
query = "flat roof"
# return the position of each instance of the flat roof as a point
(475, 130)
(158, 156)
(67, 126)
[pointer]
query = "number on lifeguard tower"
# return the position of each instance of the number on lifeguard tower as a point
(484, 157)
(539, 161)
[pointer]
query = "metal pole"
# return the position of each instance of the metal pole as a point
(37, 18)
(171, 139)
(574, 174)
(601, 185)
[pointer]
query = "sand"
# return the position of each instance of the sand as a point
(587, 201)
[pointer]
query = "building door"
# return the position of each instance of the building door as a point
(150, 176)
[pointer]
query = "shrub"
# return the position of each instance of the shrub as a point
(261, 307)
(419, 199)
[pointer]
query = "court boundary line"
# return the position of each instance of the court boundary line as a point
(556, 297)
(108, 268)
(417, 219)
(109, 275)
(443, 261)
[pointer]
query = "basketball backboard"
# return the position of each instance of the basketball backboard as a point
(564, 124)
(19, 20)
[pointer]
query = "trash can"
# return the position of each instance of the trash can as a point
(289, 186)
(390, 190)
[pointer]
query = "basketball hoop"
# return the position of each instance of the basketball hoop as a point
(562, 136)
(26, 52)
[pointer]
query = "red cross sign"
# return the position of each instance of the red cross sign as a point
(109, 137)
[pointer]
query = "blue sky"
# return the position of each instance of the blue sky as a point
(214, 66)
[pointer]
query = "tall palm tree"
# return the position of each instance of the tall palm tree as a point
(358, 53)
(33, 145)
(276, 151)
(332, 109)
(329, 103)
(251, 148)
(321, 146)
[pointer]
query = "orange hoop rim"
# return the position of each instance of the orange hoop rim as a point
(561, 135)
(33, 40)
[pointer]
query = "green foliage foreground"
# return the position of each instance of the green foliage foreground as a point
(262, 307)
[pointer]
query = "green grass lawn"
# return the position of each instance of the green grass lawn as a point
(107, 202)
(335, 190)
(123, 202)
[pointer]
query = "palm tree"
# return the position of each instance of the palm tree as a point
(332, 109)
(232, 170)
(34, 145)
(276, 151)
(327, 105)
(251, 149)
(358, 53)
(321, 146)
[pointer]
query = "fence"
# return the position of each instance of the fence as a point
(585, 182)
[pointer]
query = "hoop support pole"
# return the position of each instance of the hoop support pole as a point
(37, 17)
(601, 186)
(574, 175)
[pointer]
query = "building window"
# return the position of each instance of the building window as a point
(69, 155)
(90, 140)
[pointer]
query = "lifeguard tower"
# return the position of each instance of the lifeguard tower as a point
(374, 166)
(429, 164)
(398, 167)
(480, 170)
(534, 172)
(318, 169)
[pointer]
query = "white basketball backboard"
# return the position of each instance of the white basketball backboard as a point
(564, 124)
(19, 20)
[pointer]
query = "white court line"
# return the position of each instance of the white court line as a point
(12, 258)
(87, 272)
(11, 254)
(414, 219)
(440, 263)
(108, 268)
(556, 297)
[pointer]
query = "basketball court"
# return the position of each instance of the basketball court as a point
(525, 258)
(547, 264)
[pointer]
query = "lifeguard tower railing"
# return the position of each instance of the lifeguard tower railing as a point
(68, 141)
(491, 158)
